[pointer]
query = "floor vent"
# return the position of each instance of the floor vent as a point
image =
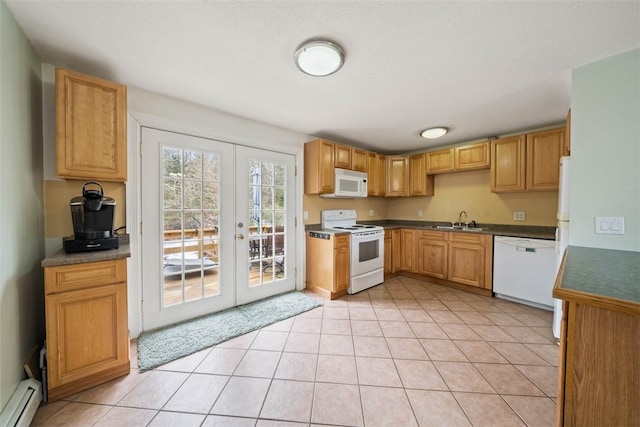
(23, 404)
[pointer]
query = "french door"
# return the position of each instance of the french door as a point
(217, 226)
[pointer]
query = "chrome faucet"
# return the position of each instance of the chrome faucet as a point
(460, 218)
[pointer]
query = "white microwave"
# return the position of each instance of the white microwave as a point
(349, 184)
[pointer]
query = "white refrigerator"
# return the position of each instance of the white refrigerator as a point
(562, 233)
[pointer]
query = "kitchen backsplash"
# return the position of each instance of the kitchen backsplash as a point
(454, 192)
(58, 193)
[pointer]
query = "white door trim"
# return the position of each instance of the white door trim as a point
(136, 122)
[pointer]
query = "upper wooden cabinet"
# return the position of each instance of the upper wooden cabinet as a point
(419, 183)
(350, 158)
(474, 156)
(507, 164)
(319, 175)
(91, 127)
(376, 174)
(342, 159)
(544, 150)
(455, 159)
(528, 162)
(359, 159)
(440, 161)
(397, 176)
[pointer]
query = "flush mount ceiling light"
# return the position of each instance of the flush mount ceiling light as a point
(319, 58)
(433, 133)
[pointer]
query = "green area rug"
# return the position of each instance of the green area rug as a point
(163, 345)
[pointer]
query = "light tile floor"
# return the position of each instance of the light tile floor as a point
(404, 353)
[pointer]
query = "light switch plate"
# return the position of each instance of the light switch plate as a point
(305, 215)
(518, 216)
(609, 225)
(370, 212)
(420, 213)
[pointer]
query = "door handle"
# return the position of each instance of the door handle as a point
(240, 236)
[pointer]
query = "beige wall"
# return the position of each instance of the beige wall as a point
(314, 204)
(454, 192)
(56, 201)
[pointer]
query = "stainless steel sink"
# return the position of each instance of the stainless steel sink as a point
(458, 228)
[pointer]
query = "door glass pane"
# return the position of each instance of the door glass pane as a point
(190, 220)
(266, 222)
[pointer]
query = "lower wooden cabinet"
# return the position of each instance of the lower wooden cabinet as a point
(432, 253)
(327, 264)
(86, 325)
(403, 257)
(468, 254)
(454, 257)
(388, 252)
(599, 375)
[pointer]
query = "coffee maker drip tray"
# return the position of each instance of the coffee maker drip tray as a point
(72, 245)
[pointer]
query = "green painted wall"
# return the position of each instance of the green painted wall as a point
(21, 210)
(605, 150)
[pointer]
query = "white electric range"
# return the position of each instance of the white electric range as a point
(366, 250)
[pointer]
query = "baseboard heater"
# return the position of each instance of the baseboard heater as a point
(23, 404)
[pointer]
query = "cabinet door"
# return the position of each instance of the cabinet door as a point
(508, 164)
(396, 244)
(407, 251)
(470, 157)
(544, 150)
(466, 263)
(319, 175)
(341, 263)
(375, 175)
(343, 158)
(87, 333)
(419, 183)
(432, 255)
(388, 252)
(359, 159)
(91, 127)
(397, 176)
(440, 161)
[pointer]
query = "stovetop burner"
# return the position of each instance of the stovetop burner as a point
(345, 220)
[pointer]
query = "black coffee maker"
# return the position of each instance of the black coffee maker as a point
(92, 216)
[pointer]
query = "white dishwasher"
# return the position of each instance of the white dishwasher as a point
(524, 270)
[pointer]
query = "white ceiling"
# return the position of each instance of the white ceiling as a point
(481, 68)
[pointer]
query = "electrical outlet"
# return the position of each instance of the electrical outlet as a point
(518, 216)
(371, 212)
(420, 213)
(305, 215)
(609, 225)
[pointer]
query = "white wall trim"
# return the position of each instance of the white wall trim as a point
(137, 121)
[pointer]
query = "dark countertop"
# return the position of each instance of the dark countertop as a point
(532, 232)
(603, 275)
(63, 258)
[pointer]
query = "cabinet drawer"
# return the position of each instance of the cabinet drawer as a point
(80, 276)
(464, 237)
(433, 235)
